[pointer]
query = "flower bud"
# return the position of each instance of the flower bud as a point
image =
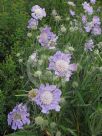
(63, 29)
(57, 18)
(58, 133)
(29, 35)
(37, 73)
(20, 60)
(62, 101)
(18, 54)
(53, 125)
(39, 120)
(31, 94)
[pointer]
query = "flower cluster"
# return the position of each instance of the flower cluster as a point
(37, 14)
(47, 38)
(88, 9)
(94, 26)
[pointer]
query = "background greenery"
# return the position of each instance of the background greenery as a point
(84, 105)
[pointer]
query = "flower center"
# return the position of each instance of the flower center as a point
(47, 97)
(17, 116)
(52, 43)
(38, 11)
(61, 66)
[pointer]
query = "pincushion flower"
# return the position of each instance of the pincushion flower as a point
(18, 117)
(96, 30)
(88, 26)
(38, 13)
(84, 19)
(89, 45)
(48, 98)
(72, 13)
(60, 64)
(94, 26)
(96, 20)
(87, 8)
(93, 1)
(47, 38)
(32, 23)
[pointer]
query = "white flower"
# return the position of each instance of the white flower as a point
(39, 120)
(58, 133)
(33, 57)
(54, 12)
(20, 60)
(63, 29)
(71, 3)
(57, 18)
(18, 54)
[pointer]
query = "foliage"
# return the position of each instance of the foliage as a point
(81, 113)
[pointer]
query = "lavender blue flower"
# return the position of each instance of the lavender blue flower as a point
(48, 98)
(47, 38)
(72, 13)
(84, 19)
(32, 23)
(88, 9)
(38, 13)
(60, 63)
(96, 30)
(93, 1)
(94, 26)
(89, 45)
(18, 117)
(96, 20)
(88, 26)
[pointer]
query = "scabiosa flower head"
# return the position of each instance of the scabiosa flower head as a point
(89, 45)
(37, 12)
(88, 26)
(96, 30)
(18, 117)
(47, 38)
(84, 19)
(93, 1)
(96, 20)
(32, 24)
(48, 98)
(72, 13)
(60, 63)
(87, 8)
(94, 26)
